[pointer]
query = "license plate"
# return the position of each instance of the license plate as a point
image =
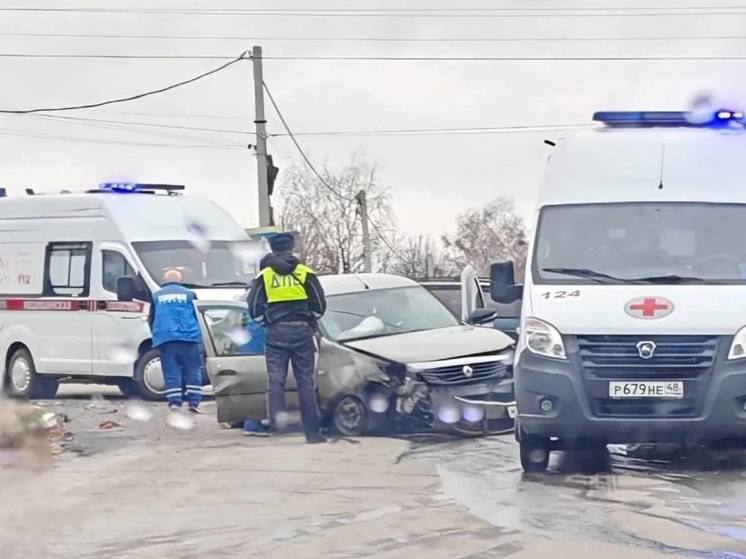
(512, 412)
(647, 389)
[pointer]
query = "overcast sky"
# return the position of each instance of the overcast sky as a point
(431, 177)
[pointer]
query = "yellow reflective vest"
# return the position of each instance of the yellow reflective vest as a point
(283, 288)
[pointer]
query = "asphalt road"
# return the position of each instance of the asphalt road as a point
(143, 489)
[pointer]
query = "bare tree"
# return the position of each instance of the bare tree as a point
(490, 234)
(327, 217)
(416, 257)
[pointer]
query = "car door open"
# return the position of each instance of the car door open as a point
(234, 356)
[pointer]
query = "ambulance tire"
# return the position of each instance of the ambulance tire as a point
(23, 382)
(143, 376)
(534, 453)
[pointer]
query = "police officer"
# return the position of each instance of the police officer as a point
(288, 298)
(177, 334)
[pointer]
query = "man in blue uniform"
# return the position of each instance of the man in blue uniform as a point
(177, 334)
(288, 298)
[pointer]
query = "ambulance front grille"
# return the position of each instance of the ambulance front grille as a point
(674, 357)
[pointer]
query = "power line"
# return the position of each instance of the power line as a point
(300, 149)
(446, 131)
(377, 59)
(342, 133)
(505, 58)
(93, 123)
(120, 56)
(377, 39)
(456, 13)
(149, 124)
(383, 239)
(131, 98)
(27, 134)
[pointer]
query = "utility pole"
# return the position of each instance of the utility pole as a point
(265, 211)
(362, 201)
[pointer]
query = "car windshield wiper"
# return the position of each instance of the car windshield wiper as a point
(669, 278)
(195, 286)
(598, 277)
(236, 283)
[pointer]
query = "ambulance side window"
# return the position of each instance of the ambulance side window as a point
(68, 269)
(114, 266)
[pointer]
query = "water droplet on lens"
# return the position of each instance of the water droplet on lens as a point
(139, 412)
(378, 403)
(197, 236)
(239, 336)
(180, 420)
(449, 413)
(473, 414)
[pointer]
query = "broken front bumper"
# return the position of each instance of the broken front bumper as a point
(473, 409)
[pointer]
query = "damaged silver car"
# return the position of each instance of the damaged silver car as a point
(391, 358)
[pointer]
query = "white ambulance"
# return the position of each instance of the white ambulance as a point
(633, 325)
(63, 259)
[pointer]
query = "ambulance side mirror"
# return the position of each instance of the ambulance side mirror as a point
(126, 288)
(502, 283)
(130, 289)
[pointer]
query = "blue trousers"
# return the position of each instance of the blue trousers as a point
(182, 372)
(292, 342)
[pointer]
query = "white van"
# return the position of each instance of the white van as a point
(633, 325)
(61, 260)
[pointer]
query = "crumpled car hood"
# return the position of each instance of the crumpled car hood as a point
(434, 345)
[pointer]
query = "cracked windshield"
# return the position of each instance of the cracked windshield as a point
(332, 279)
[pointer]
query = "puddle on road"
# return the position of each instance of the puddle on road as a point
(615, 497)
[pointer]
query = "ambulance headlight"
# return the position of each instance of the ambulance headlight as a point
(543, 339)
(738, 347)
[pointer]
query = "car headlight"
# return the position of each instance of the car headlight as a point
(544, 339)
(738, 347)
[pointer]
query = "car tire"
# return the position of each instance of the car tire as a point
(534, 453)
(22, 380)
(351, 417)
(149, 376)
(128, 387)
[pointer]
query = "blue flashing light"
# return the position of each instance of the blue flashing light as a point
(119, 186)
(722, 117)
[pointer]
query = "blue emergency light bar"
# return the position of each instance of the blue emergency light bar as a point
(722, 117)
(139, 187)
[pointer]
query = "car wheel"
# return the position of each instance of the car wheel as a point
(534, 453)
(149, 376)
(128, 387)
(24, 382)
(350, 417)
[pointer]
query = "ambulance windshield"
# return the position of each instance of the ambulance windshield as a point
(662, 243)
(221, 264)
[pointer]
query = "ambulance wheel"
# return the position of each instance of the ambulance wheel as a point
(534, 453)
(149, 376)
(24, 382)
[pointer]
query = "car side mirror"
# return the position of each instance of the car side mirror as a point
(502, 283)
(129, 289)
(482, 316)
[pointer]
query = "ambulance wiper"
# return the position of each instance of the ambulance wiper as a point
(194, 286)
(237, 283)
(670, 278)
(598, 277)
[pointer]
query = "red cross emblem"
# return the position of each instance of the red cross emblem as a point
(649, 307)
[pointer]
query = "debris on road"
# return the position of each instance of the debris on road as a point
(109, 425)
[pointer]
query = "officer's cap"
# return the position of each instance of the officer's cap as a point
(282, 242)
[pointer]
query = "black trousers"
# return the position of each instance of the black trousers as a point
(292, 342)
